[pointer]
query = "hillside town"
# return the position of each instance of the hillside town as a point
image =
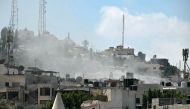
(45, 72)
(33, 87)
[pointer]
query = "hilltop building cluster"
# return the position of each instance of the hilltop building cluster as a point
(133, 82)
(33, 87)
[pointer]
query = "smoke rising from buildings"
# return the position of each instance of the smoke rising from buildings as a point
(67, 57)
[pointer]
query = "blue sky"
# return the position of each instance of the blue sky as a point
(86, 19)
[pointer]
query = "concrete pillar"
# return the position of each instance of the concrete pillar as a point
(6, 95)
(38, 95)
(51, 92)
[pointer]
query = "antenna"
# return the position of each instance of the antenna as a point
(14, 16)
(123, 29)
(111, 75)
(42, 17)
(11, 33)
(17, 20)
(185, 57)
(180, 64)
(68, 35)
(9, 48)
(185, 53)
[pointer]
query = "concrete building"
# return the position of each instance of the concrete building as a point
(32, 86)
(12, 84)
(12, 87)
(91, 104)
(41, 85)
(122, 98)
(168, 104)
(162, 61)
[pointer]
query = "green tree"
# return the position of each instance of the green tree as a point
(147, 97)
(73, 100)
(145, 100)
(150, 96)
(19, 107)
(48, 105)
(170, 70)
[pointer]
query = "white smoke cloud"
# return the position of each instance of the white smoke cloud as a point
(168, 34)
(67, 57)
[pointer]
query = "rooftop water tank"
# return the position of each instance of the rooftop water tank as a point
(183, 84)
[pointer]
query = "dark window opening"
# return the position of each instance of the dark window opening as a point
(188, 84)
(113, 84)
(7, 84)
(44, 91)
(168, 84)
(188, 101)
(133, 88)
(43, 102)
(13, 95)
(137, 100)
(3, 95)
(138, 107)
(53, 92)
(154, 107)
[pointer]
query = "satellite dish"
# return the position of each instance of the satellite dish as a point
(79, 79)
(186, 75)
(21, 68)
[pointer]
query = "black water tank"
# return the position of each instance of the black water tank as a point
(96, 84)
(162, 83)
(85, 81)
(188, 84)
(128, 82)
(113, 84)
(188, 101)
(168, 84)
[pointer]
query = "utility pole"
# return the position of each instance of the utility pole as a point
(123, 30)
(42, 17)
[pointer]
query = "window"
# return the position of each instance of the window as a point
(52, 92)
(188, 84)
(43, 101)
(113, 84)
(3, 95)
(13, 95)
(44, 91)
(137, 100)
(154, 107)
(135, 88)
(7, 84)
(138, 107)
(188, 101)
